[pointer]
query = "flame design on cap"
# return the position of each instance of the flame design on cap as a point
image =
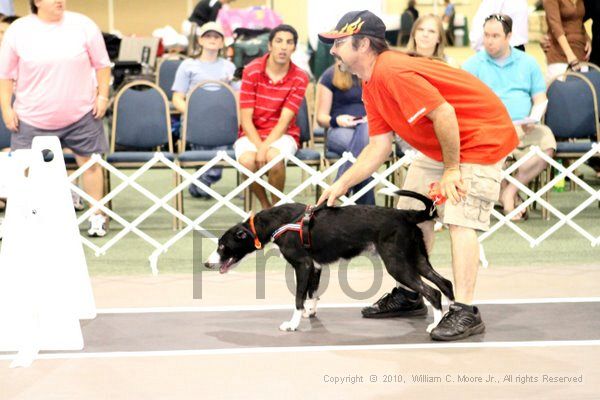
(350, 29)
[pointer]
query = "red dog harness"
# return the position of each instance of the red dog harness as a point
(302, 227)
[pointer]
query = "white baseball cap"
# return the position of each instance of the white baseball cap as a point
(210, 27)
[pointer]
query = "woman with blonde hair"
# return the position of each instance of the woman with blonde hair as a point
(427, 37)
(342, 113)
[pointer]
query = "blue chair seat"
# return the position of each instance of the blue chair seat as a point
(573, 147)
(202, 155)
(331, 155)
(308, 155)
(135, 156)
(319, 132)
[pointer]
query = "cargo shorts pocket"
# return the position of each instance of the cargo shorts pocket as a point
(484, 191)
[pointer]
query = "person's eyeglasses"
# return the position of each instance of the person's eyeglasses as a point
(338, 42)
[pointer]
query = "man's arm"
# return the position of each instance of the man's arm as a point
(278, 131)
(536, 99)
(369, 160)
(445, 125)
(539, 98)
(281, 127)
(248, 126)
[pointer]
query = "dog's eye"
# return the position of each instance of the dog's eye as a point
(241, 235)
(221, 247)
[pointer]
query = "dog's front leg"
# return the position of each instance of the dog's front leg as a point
(310, 305)
(302, 279)
(293, 323)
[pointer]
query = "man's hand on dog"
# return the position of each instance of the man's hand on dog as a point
(452, 186)
(334, 192)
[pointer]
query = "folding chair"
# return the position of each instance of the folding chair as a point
(141, 126)
(572, 114)
(165, 76)
(211, 120)
(306, 153)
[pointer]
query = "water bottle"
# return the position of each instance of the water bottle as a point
(560, 185)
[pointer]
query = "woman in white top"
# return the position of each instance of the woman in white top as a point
(207, 66)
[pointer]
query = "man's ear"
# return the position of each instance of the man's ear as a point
(365, 44)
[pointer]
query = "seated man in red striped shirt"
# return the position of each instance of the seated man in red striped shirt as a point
(272, 91)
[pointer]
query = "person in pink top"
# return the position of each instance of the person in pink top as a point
(56, 64)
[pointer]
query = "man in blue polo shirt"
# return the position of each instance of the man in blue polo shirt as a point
(517, 79)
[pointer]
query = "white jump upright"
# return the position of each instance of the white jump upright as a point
(45, 287)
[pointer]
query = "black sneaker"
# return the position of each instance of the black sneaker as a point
(399, 303)
(198, 193)
(458, 323)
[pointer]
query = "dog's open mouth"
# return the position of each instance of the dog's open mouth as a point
(226, 265)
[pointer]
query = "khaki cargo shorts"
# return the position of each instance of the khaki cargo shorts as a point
(540, 136)
(483, 188)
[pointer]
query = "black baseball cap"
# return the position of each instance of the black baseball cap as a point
(353, 23)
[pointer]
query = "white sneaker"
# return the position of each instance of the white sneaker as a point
(98, 226)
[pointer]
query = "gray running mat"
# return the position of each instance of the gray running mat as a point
(331, 327)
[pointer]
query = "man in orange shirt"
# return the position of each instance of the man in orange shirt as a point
(464, 133)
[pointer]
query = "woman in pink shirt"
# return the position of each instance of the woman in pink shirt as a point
(56, 64)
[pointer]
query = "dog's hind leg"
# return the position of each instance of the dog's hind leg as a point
(407, 273)
(403, 269)
(310, 305)
(303, 269)
(427, 271)
(437, 317)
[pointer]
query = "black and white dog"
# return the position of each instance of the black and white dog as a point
(339, 232)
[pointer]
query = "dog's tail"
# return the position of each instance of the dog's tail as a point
(419, 216)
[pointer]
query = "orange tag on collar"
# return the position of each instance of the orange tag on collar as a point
(257, 243)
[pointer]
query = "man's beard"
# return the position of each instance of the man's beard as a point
(342, 66)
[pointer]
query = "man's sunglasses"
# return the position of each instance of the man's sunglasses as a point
(499, 18)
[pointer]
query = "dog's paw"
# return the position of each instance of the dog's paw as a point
(431, 326)
(288, 326)
(310, 308)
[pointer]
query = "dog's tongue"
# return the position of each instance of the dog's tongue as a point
(225, 266)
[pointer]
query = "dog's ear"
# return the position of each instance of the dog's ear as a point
(241, 234)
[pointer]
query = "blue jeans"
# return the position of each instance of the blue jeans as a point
(209, 177)
(340, 140)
